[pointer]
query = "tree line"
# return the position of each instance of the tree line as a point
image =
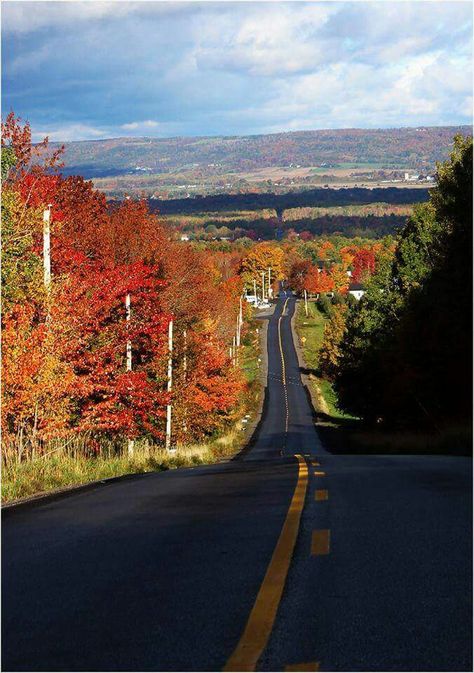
(403, 355)
(318, 197)
(65, 340)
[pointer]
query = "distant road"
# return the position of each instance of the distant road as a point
(318, 197)
(287, 558)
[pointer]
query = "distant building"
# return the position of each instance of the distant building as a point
(184, 237)
(357, 290)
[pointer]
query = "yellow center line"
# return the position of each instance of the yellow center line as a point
(319, 473)
(262, 617)
(283, 369)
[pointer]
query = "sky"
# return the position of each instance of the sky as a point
(90, 70)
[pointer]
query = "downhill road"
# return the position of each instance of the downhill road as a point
(286, 558)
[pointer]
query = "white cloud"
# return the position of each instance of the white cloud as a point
(270, 39)
(134, 126)
(69, 132)
(25, 16)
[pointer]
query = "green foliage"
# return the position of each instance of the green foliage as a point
(330, 348)
(325, 305)
(414, 257)
(21, 267)
(405, 357)
(8, 161)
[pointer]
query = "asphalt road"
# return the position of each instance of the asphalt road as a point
(356, 564)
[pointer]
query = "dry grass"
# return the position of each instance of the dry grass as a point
(64, 468)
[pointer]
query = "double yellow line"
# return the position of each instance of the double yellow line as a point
(262, 617)
(283, 369)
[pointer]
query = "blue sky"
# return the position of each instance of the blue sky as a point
(86, 70)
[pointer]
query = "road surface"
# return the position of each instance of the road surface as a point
(288, 558)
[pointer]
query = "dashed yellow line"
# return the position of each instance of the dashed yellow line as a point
(262, 617)
(320, 542)
(319, 473)
(283, 368)
(321, 494)
(307, 666)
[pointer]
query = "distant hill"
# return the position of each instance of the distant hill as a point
(417, 148)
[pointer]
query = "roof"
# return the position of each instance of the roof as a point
(356, 286)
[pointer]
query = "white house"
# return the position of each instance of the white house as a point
(356, 290)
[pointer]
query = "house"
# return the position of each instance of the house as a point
(357, 290)
(184, 237)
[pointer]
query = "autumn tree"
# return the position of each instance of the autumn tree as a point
(260, 258)
(363, 265)
(330, 349)
(317, 282)
(298, 273)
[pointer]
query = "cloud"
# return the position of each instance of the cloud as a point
(23, 16)
(69, 132)
(204, 68)
(134, 126)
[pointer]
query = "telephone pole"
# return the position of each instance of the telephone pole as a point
(185, 373)
(128, 313)
(47, 247)
(239, 322)
(306, 303)
(170, 382)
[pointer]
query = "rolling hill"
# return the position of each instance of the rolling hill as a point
(415, 148)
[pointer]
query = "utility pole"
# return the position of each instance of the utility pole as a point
(128, 313)
(185, 371)
(170, 385)
(239, 322)
(263, 285)
(255, 291)
(269, 283)
(185, 354)
(47, 247)
(306, 303)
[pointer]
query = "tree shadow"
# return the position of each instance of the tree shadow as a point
(353, 436)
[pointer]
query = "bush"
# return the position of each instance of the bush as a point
(324, 305)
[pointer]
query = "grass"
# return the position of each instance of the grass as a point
(310, 331)
(66, 468)
(68, 464)
(28, 478)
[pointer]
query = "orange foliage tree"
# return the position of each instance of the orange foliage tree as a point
(64, 347)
